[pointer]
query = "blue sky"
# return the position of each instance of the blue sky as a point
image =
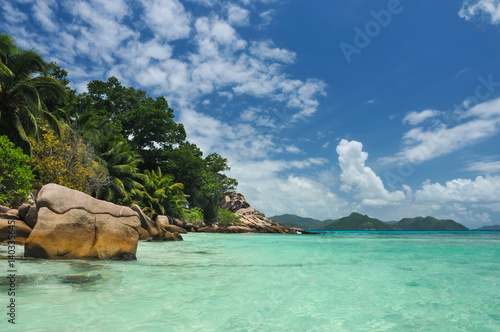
(389, 108)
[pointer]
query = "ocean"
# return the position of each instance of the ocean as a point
(334, 281)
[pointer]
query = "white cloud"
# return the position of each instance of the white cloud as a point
(44, 14)
(487, 9)
(479, 190)
(266, 17)
(12, 14)
(360, 179)
(238, 16)
(292, 149)
(420, 144)
(485, 110)
(485, 167)
(267, 50)
(414, 118)
(167, 18)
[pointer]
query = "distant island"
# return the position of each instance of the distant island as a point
(359, 222)
(488, 228)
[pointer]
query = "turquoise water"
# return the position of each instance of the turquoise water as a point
(340, 281)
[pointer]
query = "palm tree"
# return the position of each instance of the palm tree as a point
(122, 164)
(24, 86)
(160, 195)
(7, 46)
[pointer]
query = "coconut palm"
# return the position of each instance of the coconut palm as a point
(7, 46)
(122, 164)
(24, 86)
(160, 195)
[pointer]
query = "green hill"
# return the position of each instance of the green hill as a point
(358, 222)
(489, 228)
(291, 220)
(428, 224)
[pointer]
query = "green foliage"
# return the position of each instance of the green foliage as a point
(123, 168)
(160, 195)
(227, 218)
(193, 215)
(146, 123)
(203, 178)
(15, 174)
(66, 160)
(25, 85)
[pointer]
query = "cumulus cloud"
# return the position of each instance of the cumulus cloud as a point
(167, 18)
(238, 16)
(486, 9)
(414, 118)
(360, 179)
(481, 189)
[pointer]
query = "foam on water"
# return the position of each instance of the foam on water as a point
(341, 281)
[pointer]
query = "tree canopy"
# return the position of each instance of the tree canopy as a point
(115, 142)
(25, 85)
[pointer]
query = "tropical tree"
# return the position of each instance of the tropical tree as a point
(122, 164)
(160, 195)
(66, 160)
(7, 46)
(15, 174)
(24, 86)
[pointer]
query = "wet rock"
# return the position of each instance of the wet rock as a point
(173, 236)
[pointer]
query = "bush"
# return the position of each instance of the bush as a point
(193, 215)
(15, 174)
(227, 218)
(66, 160)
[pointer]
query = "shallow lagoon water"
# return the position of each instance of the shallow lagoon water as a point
(337, 281)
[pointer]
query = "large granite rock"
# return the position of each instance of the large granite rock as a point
(251, 219)
(73, 225)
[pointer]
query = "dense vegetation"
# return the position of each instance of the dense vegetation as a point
(113, 142)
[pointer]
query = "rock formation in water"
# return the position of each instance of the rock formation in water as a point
(251, 220)
(68, 224)
(71, 224)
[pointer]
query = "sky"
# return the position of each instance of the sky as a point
(322, 107)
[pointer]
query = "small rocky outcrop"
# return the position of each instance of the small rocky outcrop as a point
(251, 219)
(12, 226)
(155, 232)
(158, 230)
(72, 224)
(21, 229)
